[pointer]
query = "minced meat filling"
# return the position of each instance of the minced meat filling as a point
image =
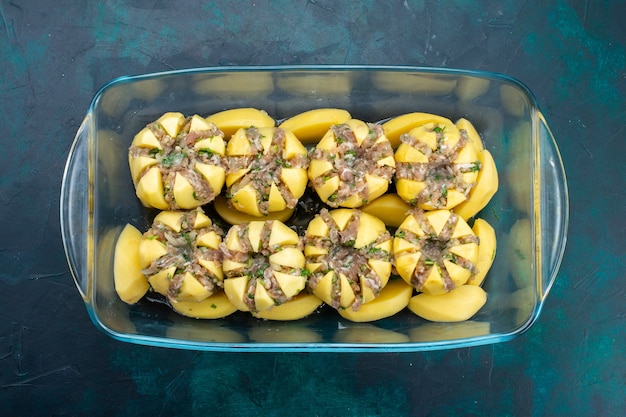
(183, 254)
(435, 249)
(264, 168)
(440, 173)
(179, 156)
(351, 162)
(344, 259)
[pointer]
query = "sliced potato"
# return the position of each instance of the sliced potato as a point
(389, 208)
(399, 125)
(311, 125)
(214, 307)
(460, 304)
(237, 217)
(392, 299)
(485, 188)
(230, 121)
(298, 307)
(486, 250)
(130, 284)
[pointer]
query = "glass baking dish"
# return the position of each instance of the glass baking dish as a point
(529, 212)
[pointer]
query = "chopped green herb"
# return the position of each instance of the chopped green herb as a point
(172, 159)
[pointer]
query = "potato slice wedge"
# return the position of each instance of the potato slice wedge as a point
(130, 284)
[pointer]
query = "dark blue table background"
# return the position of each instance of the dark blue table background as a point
(55, 55)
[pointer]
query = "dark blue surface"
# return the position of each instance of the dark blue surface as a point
(55, 55)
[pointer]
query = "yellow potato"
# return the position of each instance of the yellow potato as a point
(392, 299)
(437, 166)
(423, 257)
(214, 307)
(457, 305)
(177, 162)
(389, 208)
(356, 248)
(298, 307)
(180, 255)
(486, 250)
(263, 265)
(352, 164)
(237, 217)
(485, 188)
(130, 284)
(399, 125)
(267, 170)
(472, 134)
(311, 125)
(150, 189)
(230, 121)
(171, 123)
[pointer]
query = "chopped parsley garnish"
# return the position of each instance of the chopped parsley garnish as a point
(172, 159)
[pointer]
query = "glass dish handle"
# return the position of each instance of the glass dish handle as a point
(75, 207)
(554, 206)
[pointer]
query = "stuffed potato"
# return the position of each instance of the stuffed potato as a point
(180, 256)
(263, 265)
(348, 254)
(437, 166)
(435, 251)
(352, 164)
(177, 162)
(267, 170)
